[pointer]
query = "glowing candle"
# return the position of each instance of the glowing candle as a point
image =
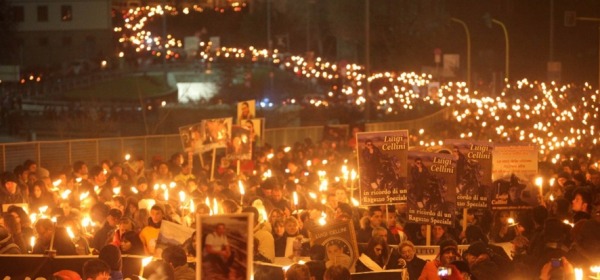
(65, 194)
(215, 206)
(182, 196)
(145, 262)
(117, 190)
(127, 157)
(70, 233)
(84, 195)
(578, 274)
(295, 199)
(242, 191)
(166, 195)
(32, 243)
(539, 181)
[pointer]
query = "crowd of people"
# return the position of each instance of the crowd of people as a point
(102, 209)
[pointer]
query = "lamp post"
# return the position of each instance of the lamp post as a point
(594, 20)
(506, 75)
(464, 25)
(367, 60)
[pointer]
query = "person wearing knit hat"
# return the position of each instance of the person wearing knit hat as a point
(9, 192)
(66, 275)
(443, 263)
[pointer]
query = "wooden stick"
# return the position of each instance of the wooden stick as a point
(198, 247)
(428, 237)
(238, 167)
(212, 168)
(464, 223)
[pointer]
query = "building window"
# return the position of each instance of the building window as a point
(66, 13)
(18, 13)
(43, 41)
(42, 13)
(67, 41)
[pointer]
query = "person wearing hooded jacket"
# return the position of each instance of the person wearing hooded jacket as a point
(448, 253)
(7, 246)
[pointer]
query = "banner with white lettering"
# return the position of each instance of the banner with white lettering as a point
(431, 188)
(382, 166)
(513, 170)
(339, 240)
(473, 172)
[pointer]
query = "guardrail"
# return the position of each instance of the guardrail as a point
(57, 155)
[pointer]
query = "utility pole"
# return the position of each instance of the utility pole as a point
(367, 60)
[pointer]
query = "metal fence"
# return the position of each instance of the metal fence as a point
(57, 155)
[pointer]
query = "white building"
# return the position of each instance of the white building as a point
(57, 32)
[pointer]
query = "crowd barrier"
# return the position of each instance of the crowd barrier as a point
(34, 266)
(56, 155)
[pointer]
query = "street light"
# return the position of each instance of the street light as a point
(367, 59)
(489, 20)
(571, 18)
(464, 25)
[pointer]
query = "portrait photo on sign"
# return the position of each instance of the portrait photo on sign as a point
(382, 166)
(227, 246)
(216, 133)
(191, 137)
(339, 242)
(240, 146)
(514, 169)
(246, 110)
(473, 171)
(431, 188)
(256, 127)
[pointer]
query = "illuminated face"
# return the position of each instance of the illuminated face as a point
(279, 230)
(447, 257)
(437, 232)
(125, 245)
(333, 250)
(578, 204)
(245, 110)
(382, 234)
(125, 226)
(291, 228)
(340, 195)
(407, 253)
(376, 219)
(17, 217)
(378, 249)
(277, 195)
(112, 221)
(220, 230)
(156, 216)
(163, 169)
(37, 192)
(11, 187)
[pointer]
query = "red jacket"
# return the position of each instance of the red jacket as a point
(430, 271)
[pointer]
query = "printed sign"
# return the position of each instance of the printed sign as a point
(513, 170)
(382, 166)
(473, 172)
(431, 188)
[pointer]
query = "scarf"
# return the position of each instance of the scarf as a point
(369, 263)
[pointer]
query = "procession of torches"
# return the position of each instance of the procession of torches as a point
(555, 117)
